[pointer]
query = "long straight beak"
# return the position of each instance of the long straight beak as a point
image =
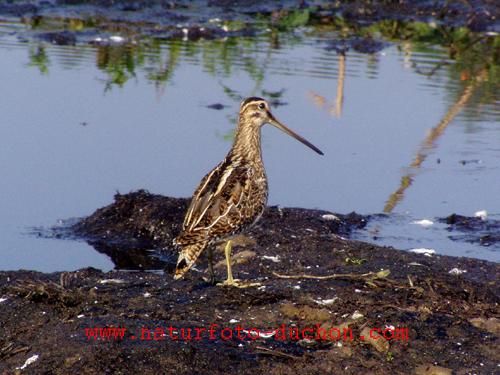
(272, 120)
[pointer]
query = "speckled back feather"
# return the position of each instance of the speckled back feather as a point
(228, 199)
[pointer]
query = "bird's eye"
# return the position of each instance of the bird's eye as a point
(262, 106)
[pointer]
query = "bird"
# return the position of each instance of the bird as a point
(232, 196)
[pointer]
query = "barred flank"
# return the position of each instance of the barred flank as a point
(187, 257)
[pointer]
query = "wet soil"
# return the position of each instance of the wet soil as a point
(477, 14)
(311, 277)
(473, 229)
(70, 22)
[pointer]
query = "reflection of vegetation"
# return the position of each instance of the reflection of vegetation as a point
(119, 62)
(335, 109)
(431, 139)
(38, 57)
(165, 70)
(57, 23)
(468, 53)
(468, 49)
(471, 52)
(227, 136)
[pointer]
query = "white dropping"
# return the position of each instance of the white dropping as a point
(111, 281)
(424, 251)
(356, 315)
(260, 334)
(147, 294)
(483, 214)
(117, 38)
(266, 335)
(275, 259)
(456, 271)
(326, 302)
(3, 299)
(28, 362)
(415, 264)
(232, 321)
(423, 222)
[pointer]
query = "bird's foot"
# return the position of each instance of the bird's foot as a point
(239, 283)
(230, 281)
(211, 280)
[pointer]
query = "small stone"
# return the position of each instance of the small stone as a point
(456, 271)
(330, 217)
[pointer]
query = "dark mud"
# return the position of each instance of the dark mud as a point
(480, 15)
(137, 230)
(452, 317)
(485, 232)
(70, 22)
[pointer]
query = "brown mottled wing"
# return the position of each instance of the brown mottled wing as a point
(202, 195)
(226, 200)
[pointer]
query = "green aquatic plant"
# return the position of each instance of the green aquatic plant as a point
(293, 19)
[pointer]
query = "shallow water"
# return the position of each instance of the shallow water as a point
(79, 123)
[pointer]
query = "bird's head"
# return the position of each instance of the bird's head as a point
(255, 112)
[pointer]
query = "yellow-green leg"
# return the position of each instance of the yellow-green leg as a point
(230, 281)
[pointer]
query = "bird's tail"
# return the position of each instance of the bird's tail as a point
(187, 257)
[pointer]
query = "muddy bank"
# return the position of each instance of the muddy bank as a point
(148, 223)
(485, 232)
(480, 15)
(449, 306)
(117, 22)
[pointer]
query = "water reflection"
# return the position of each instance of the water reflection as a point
(430, 141)
(147, 112)
(38, 58)
(467, 53)
(334, 108)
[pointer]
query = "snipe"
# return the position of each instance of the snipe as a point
(232, 196)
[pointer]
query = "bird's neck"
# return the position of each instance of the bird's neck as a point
(247, 142)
